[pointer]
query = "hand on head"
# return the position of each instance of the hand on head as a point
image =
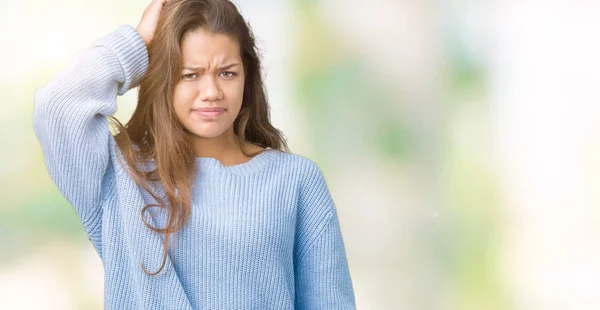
(149, 20)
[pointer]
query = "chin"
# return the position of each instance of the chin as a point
(207, 133)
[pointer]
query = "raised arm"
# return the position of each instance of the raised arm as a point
(70, 113)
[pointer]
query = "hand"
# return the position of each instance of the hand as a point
(149, 20)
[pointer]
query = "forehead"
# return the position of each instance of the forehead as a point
(201, 46)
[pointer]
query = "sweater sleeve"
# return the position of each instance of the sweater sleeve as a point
(70, 111)
(322, 275)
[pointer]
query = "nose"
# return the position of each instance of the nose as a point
(210, 90)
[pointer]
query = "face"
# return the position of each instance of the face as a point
(209, 95)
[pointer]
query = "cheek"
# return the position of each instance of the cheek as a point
(180, 106)
(182, 98)
(236, 95)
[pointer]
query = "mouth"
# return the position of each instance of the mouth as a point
(209, 112)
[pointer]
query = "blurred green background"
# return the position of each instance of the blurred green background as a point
(459, 140)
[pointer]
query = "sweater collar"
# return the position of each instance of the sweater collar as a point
(256, 163)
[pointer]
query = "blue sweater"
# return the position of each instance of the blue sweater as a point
(262, 235)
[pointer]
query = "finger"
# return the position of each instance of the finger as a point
(154, 10)
(161, 2)
(155, 6)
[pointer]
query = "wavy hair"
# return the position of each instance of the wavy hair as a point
(154, 134)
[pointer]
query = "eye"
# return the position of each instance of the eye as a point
(228, 74)
(188, 76)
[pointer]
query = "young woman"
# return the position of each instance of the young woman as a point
(195, 203)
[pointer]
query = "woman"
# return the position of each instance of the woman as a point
(199, 166)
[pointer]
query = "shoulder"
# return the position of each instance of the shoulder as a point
(309, 177)
(301, 166)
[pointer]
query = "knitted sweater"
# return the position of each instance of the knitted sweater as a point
(262, 234)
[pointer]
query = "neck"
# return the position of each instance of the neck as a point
(225, 148)
(218, 147)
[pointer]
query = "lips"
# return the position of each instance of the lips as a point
(209, 112)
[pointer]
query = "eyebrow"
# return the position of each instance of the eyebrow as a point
(222, 68)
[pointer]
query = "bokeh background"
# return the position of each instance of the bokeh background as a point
(460, 140)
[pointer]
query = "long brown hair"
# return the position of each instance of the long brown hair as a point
(154, 134)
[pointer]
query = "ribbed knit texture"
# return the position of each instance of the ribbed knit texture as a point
(262, 235)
